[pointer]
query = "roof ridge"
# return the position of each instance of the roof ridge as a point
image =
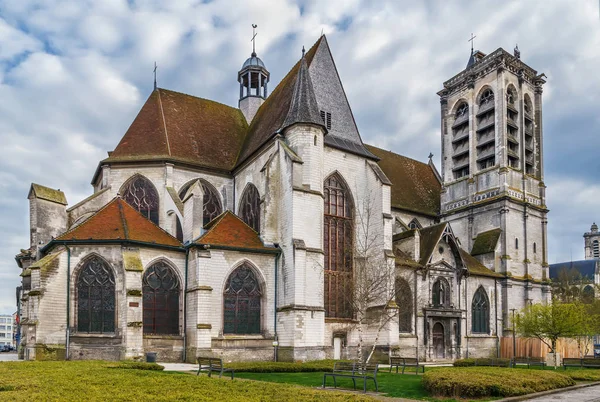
(87, 219)
(197, 97)
(122, 215)
(162, 113)
(400, 155)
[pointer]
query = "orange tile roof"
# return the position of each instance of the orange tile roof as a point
(181, 127)
(415, 186)
(118, 220)
(228, 230)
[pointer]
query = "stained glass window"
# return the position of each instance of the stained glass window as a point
(160, 289)
(338, 240)
(211, 202)
(405, 304)
(480, 312)
(250, 207)
(441, 293)
(141, 194)
(95, 297)
(242, 300)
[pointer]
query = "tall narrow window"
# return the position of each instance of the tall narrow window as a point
(160, 289)
(242, 300)
(250, 207)
(596, 249)
(95, 297)
(405, 304)
(516, 243)
(141, 194)
(480, 312)
(534, 248)
(178, 229)
(441, 293)
(211, 202)
(460, 141)
(338, 239)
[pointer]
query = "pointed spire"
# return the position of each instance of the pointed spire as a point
(303, 107)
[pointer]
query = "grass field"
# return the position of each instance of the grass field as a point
(101, 381)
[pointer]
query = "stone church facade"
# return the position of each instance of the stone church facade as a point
(233, 231)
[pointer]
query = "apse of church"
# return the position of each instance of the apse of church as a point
(232, 231)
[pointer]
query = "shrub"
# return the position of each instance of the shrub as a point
(482, 362)
(583, 374)
(282, 367)
(132, 365)
(479, 382)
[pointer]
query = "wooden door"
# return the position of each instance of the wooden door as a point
(439, 343)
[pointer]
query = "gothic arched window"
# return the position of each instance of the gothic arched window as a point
(250, 207)
(588, 294)
(415, 224)
(95, 297)
(527, 106)
(441, 293)
(480, 312)
(338, 240)
(462, 111)
(160, 290)
(141, 194)
(211, 202)
(487, 98)
(511, 96)
(405, 304)
(178, 229)
(241, 302)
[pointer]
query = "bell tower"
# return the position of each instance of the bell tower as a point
(492, 169)
(253, 78)
(592, 243)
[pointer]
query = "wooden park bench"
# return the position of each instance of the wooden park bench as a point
(583, 363)
(211, 364)
(354, 371)
(396, 361)
(528, 361)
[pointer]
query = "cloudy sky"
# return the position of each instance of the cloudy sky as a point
(73, 75)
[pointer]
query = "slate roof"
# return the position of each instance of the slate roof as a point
(117, 220)
(415, 187)
(486, 242)
(180, 127)
(229, 231)
(430, 237)
(48, 194)
(586, 268)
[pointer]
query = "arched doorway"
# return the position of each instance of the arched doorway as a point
(439, 343)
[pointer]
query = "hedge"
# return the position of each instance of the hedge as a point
(482, 362)
(582, 374)
(282, 367)
(480, 382)
(136, 366)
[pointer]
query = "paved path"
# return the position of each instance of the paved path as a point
(8, 357)
(587, 394)
(179, 366)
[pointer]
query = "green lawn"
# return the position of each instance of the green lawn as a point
(102, 381)
(394, 385)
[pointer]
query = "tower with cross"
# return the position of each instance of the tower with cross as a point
(253, 78)
(492, 167)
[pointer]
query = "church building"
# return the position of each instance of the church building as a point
(235, 231)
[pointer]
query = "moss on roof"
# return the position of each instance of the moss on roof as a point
(48, 194)
(415, 186)
(45, 260)
(404, 260)
(486, 242)
(430, 237)
(404, 235)
(176, 199)
(477, 268)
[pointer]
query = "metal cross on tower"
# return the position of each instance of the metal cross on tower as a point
(155, 67)
(471, 40)
(253, 40)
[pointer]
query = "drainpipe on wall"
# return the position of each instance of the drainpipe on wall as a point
(415, 313)
(67, 334)
(276, 340)
(185, 287)
(496, 315)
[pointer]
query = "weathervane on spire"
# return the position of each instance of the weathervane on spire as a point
(155, 67)
(253, 40)
(471, 40)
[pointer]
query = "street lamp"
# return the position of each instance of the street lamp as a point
(513, 333)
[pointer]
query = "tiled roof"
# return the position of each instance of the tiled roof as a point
(415, 186)
(117, 220)
(486, 242)
(430, 237)
(181, 127)
(475, 267)
(228, 230)
(48, 194)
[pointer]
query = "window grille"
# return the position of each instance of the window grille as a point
(95, 298)
(480, 312)
(141, 194)
(250, 207)
(242, 302)
(404, 300)
(160, 289)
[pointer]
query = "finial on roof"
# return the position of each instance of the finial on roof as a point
(253, 40)
(430, 155)
(155, 67)
(517, 52)
(303, 51)
(471, 40)
(472, 56)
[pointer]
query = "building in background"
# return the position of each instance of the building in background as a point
(6, 330)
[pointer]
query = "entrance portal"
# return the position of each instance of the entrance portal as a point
(439, 343)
